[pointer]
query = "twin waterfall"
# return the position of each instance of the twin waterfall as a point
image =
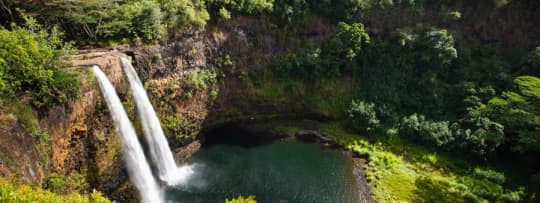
(138, 168)
(159, 148)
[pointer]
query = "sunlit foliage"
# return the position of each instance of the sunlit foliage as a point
(31, 65)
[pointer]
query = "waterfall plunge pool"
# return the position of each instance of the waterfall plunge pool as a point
(231, 164)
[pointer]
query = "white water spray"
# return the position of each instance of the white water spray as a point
(138, 168)
(159, 147)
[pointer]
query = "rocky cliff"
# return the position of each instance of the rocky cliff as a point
(81, 136)
(184, 76)
(195, 79)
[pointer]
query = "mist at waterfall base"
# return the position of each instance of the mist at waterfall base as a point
(274, 171)
(160, 151)
(136, 164)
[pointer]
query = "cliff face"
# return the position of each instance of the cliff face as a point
(80, 135)
(74, 128)
(19, 158)
(83, 138)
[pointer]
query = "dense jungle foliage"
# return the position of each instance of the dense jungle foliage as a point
(456, 77)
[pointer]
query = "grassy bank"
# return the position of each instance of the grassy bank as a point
(400, 171)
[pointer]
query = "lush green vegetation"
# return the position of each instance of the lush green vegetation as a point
(24, 193)
(403, 171)
(428, 84)
(242, 199)
(200, 79)
(423, 175)
(180, 126)
(517, 109)
(72, 183)
(31, 66)
(311, 62)
(102, 22)
(223, 8)
(426, 81)
(199, 82)
(364, 117)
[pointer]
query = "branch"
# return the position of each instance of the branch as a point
(8, 10)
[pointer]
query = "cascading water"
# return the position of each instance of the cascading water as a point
(138, 168)
(159, 147)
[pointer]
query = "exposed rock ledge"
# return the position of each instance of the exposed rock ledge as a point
(73, 126)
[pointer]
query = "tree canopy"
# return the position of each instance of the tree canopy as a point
(31, 65)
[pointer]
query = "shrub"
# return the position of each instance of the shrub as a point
(251, 7)
(180, 126)
(224, 14)
(55, 183)
(533, 58)
(93, 22)
(73, 183)
(483, 137)
(290, 13)
(201, 79)
(363, 116)
(31, 66)
(137, 19)
(180, 13)
(242, 199)
(24, 193)
(433, 132)
(311, 61)
(97, 197)
(443, 190)
(346, 44)
(304, 63)
(490, 175)
(490, 191)
(517, 111)
(442, 43)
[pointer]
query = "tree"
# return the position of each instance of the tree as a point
(250, 7)
(519, 111)
(290, 11)
(347, 42)
(431, 132)
(442, 44)
(180, 13)
(79, 18)
(30, 65)
(363, 116)
(434, 46)
(305, 63)
(104, 20)
(531, 63)
(479, 135)
(140, 19)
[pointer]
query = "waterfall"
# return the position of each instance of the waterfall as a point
(159, 147)
(137, 166)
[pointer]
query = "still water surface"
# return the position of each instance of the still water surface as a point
(279, 171)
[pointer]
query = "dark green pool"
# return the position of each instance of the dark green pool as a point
(280, 171)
